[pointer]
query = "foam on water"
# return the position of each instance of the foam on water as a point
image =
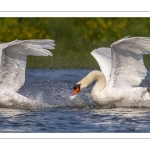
(29, 103)
(72, 97)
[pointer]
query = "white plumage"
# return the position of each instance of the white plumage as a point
(13, 56)
(123, 69)
(103, 57)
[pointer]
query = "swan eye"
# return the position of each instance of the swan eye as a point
(77, 86)
(76, 89)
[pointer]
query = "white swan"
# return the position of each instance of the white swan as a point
(122, 72)
(13, 57)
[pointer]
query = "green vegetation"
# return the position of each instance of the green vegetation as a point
(75, 38)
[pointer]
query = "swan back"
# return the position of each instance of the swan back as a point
(13, 56)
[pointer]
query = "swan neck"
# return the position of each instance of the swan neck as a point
(100, 82)
(91, 77)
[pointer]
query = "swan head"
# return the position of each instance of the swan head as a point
(86, 81)
(82, 84)
(76, 89)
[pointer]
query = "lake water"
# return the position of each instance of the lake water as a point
(51, 110)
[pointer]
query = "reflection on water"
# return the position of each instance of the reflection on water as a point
(11, 112)
(53, 111)
(125, 119)
(123, 112)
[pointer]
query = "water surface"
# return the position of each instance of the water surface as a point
(53, 112)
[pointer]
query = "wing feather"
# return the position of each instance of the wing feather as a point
(13, 59)
(103, 58)
(128, 69)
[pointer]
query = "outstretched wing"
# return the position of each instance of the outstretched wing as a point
(13, 57)
(103, 58)
(128, 68)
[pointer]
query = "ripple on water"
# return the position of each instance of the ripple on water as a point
(51, 110)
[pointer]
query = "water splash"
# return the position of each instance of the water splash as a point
(53, 88)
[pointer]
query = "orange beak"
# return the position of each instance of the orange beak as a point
(76, 90)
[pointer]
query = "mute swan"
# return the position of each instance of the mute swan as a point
(13, 57)
(122, 73)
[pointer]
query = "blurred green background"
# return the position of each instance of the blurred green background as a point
(75, 38)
